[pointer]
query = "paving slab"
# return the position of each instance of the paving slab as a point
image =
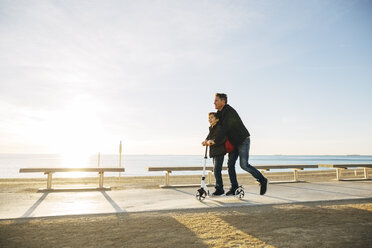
(28, 205)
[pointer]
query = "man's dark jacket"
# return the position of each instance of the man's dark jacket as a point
(232, 126)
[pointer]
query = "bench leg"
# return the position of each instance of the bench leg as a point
(365, 173)
(295, 175)
(167, 178)
(209, 178)
(338, 174)
(49, 180)
(101, 179)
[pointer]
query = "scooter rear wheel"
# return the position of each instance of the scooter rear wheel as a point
(201, 194)
(239, 192)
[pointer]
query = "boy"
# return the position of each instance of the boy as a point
(217, 150)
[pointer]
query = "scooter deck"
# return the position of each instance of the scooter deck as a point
(239, 194)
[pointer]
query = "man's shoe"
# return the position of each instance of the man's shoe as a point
(218, 192)
(263, 185)
(231, 191)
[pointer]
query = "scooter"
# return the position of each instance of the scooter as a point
(203, 192)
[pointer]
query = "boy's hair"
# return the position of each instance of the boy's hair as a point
(214, 114)
(222, 96)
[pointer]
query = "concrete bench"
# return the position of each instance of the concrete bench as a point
(50, 171)
(169, 169)
(263, 168)
(340, 167)
(294, 167)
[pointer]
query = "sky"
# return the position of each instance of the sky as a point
(80, 76)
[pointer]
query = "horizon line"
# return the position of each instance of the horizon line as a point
(148, 154)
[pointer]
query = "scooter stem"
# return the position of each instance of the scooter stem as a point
(205, 161)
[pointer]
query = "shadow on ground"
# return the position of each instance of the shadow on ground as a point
(316, 224)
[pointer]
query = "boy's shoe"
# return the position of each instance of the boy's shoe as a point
(218, 192)
(231, 191)
(263, 187)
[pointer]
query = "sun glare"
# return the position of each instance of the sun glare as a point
(82, 132)
(74, 131)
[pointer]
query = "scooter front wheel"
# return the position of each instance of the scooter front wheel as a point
(239, 192)
(201, 194)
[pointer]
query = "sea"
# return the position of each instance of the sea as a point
(136, 165)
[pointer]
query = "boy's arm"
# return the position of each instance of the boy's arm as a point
(205, 142)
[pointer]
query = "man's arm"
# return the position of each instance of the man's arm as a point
(226, 125)
(220, 135)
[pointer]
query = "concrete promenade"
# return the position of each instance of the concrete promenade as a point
(26, 205)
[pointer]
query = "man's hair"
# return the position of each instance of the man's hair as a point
(222, 96)
(213, 113)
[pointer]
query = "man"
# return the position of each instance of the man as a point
(234, 129)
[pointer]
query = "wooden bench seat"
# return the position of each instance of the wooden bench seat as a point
(50, 171)
(340, 167)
